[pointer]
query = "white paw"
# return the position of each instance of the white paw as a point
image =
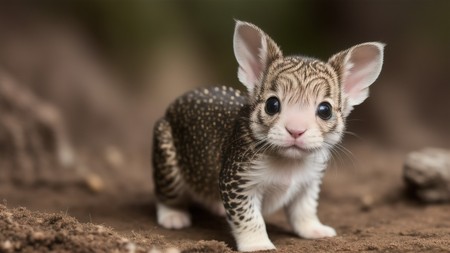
(316, 230)
(256, 246)
(171, 218)
(254, 240)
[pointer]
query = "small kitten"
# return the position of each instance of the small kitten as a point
(250, 155)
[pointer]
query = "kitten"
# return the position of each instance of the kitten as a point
(250, 155)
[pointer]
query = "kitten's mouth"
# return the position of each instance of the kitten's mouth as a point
(298, 149)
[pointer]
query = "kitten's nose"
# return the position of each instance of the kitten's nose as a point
(295, 132)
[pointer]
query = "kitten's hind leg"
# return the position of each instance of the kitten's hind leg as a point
(170, 188)
(171, 217)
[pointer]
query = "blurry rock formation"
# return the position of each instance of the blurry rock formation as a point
(427, 174)
(33, 136)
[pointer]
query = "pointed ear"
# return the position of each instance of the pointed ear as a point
(254, 50)
(358, 67)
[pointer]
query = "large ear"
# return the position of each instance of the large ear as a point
(358, 67)
(254, 50)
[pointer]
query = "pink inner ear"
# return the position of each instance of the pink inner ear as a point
(362, 68)
(252, 41)
(355, 78)
(250, 68)
(256, 67)
(248, 49)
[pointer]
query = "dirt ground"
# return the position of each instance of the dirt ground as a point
(363, 197)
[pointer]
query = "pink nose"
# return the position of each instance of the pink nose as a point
(295, 132)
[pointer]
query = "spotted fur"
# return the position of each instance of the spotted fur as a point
(222, 149)
(188, 144)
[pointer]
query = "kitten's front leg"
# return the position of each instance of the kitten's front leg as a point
(246, 221)
(302, 214)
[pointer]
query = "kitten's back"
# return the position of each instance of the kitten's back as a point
(202, 121)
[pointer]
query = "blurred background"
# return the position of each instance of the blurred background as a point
(82, 82)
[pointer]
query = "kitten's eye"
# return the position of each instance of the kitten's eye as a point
(324, 111)
(272, 106)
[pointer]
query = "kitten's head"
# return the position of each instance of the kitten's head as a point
(299, 105)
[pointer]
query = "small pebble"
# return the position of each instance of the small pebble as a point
(172, 250)
(130, 247)
(367, 202)
(94, 183)
(7, 246)
(37, 236)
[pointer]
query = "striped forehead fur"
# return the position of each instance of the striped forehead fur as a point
(301, 80)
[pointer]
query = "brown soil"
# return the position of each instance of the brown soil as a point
(363, 197)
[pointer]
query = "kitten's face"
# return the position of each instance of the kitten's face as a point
(299, 105)
(298, 108)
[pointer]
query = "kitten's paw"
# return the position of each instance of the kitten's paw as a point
(251, 246)
(316, 230)
(171, 218)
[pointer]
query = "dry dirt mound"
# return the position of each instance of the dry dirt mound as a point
(24, 231)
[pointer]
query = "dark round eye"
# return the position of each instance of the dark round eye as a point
(272, 106)
(324, 111)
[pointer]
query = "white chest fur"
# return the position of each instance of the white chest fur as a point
(277, 183)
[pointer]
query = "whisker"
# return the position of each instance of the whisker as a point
(335, 155)
(355, 120)
(354, 135)
(346, 152)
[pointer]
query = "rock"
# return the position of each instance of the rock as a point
(94, 183)
(37, 236)
(33, 136)
(130, 247)
(172, 250)
(427, 174)
(6, 246)
(367, 202)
